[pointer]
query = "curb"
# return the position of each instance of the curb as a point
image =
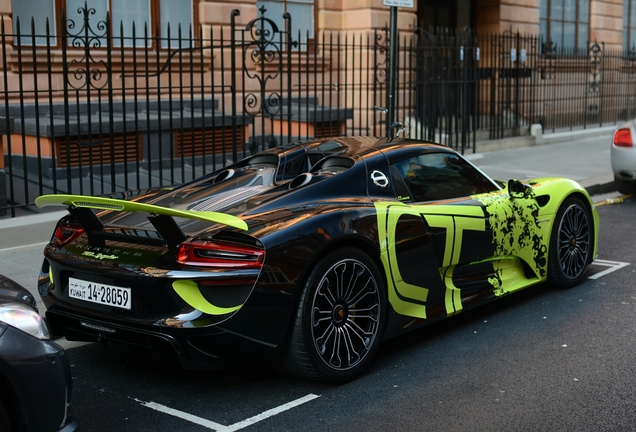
(599, 185)
(28, 230)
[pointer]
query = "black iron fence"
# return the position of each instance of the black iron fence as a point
(91, 113)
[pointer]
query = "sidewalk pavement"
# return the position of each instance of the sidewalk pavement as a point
(582, 155)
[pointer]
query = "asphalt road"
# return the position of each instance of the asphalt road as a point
(541, 360)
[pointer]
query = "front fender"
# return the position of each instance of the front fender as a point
(551, 192)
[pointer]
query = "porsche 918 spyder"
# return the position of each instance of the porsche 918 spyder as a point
(310, 254)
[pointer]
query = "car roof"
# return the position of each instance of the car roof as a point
(364, 145)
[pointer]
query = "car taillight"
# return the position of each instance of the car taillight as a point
(623, 138)
(220, 255)
(65, 232)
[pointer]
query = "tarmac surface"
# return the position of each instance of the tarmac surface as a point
(583, 156)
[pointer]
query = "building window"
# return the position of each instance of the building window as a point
(141, 15)
(565, 23)
(629, 26)
(36, 13)
(302, 14)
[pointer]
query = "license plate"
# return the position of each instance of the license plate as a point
(99, 293)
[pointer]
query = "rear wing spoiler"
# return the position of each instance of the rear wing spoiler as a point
(81, 207)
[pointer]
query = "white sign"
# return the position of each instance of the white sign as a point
(399, 3)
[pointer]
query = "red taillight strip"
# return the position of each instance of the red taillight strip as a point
(65, 232)
(203, 253)
(623, 138)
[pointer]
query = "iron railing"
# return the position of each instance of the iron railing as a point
(86, 112)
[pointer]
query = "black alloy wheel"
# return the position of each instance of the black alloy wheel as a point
(340, 319)
(571, 244)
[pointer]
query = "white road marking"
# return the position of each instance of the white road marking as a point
(613, 266)
(234, 427)
(270, 413)
(24, 246)
(183, 415)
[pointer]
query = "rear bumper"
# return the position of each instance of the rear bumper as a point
(623, 160)
(174, 331)
(192, 349)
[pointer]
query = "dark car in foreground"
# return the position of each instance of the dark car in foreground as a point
(309, 254)
(35, 377)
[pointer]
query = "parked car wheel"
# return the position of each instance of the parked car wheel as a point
(571, 244)
(624, 186)
(340, 318)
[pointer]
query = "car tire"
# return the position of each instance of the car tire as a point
(5, 421)
(624, 186)
(571, 244)
(340, 318)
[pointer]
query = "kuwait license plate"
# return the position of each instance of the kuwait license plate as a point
(99, 293)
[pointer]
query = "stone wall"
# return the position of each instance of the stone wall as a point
(360, 15)
(606, 23)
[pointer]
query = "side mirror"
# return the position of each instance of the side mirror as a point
(517, 189)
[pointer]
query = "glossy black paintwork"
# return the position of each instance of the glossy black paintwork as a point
(332, 207)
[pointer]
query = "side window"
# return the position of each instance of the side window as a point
(400, 189)
(437, 176)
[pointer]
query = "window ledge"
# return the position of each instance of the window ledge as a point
(307, 62)
(128, 64)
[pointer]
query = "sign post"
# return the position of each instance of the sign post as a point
(393, 60)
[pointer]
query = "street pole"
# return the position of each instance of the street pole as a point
(393, 59)
(393, 62)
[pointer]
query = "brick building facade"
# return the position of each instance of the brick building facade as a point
(603, 20)
(606, 19)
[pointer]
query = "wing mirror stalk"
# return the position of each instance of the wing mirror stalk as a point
(517, 189)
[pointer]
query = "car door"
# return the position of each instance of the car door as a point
(440, 234)
(442, 186)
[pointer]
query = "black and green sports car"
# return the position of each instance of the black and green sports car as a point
(309, 254)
